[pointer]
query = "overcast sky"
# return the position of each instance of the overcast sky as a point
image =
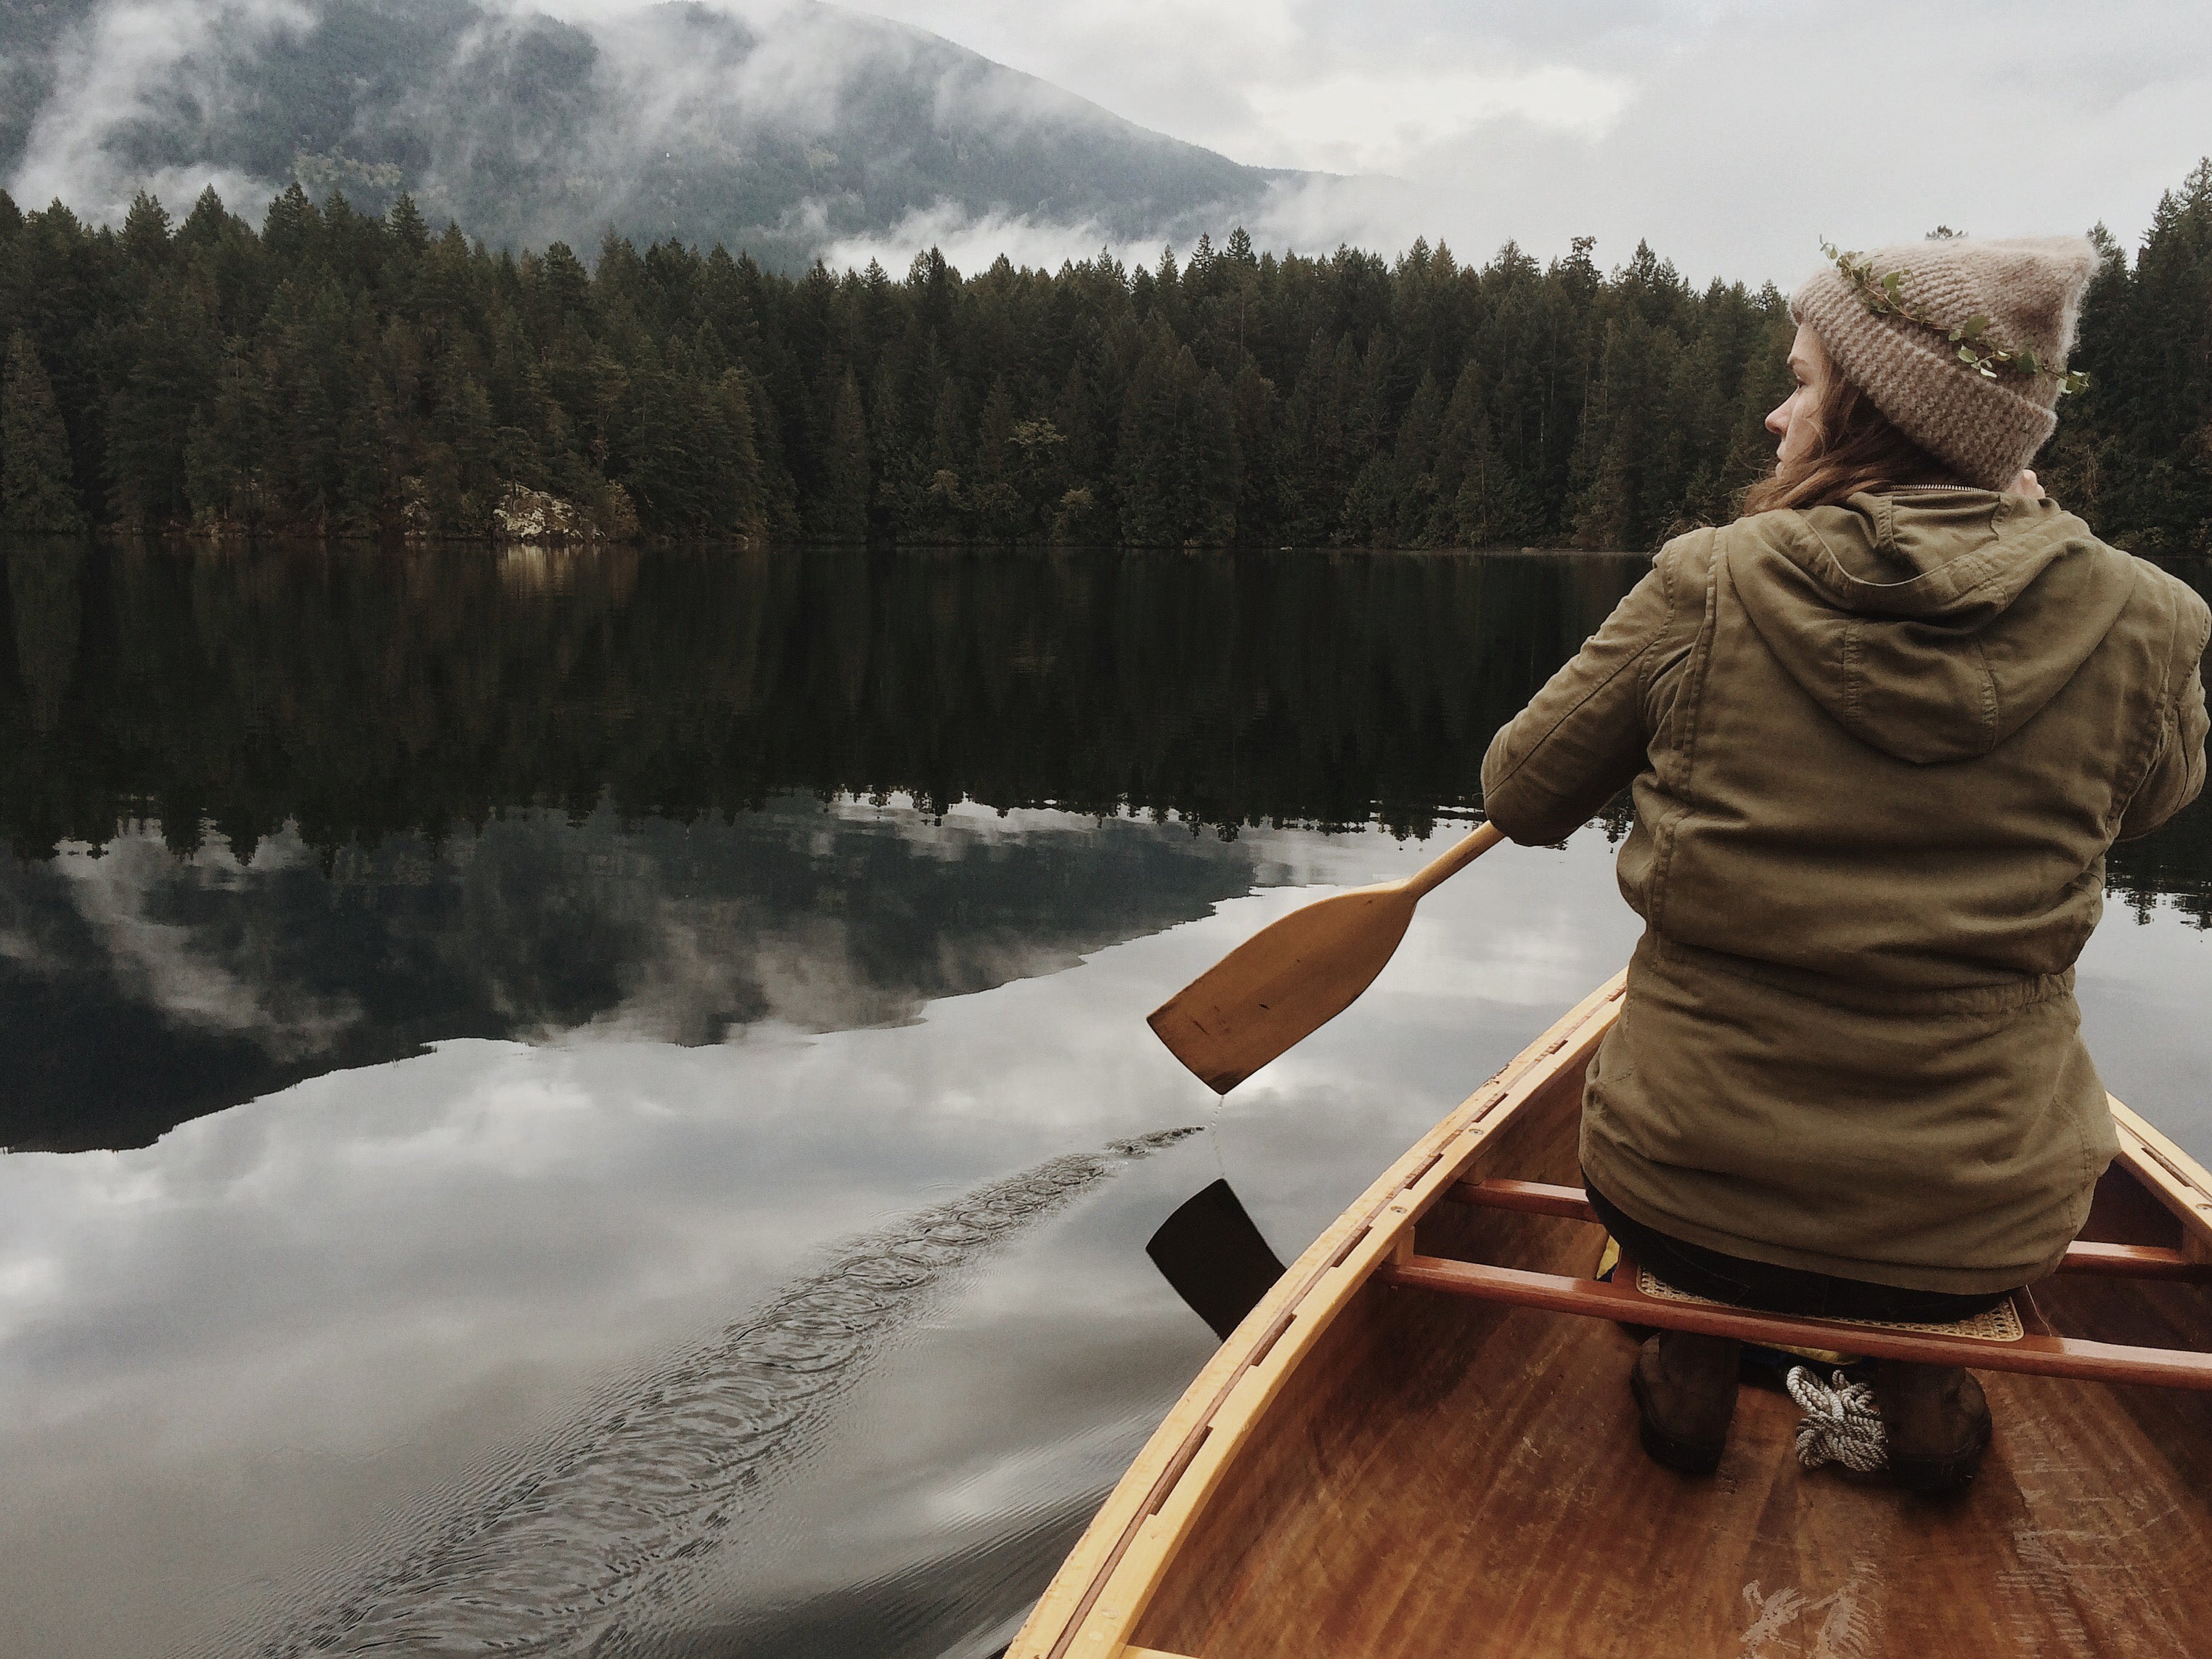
(1732, 134)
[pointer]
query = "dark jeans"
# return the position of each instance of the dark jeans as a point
(1771, 1289)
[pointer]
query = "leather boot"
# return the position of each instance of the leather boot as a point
(1938, 1423)
(1685, 1388)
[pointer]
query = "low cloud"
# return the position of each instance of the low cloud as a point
(129, 63)
(786, 129)
(1730, 135)
(971, 241)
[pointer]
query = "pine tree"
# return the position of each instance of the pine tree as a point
(207, 227)
(292, 227)
(1619, 471)
(2147, 343)
(409, 230)
(1175, 463)
(1403, 508)
(779, 495)
(1491, 507)
(159, 370)
(1257, 411)
(994, 488)
(846, 488)
(943, 505)
(741, 507)
(1456, 437)
(1321, 448)
(228, 442)
(38, 495)
(1077, 507)
(146, 232)
(660, 462)
(1036, 446)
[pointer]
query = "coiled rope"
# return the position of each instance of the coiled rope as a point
(1841, 1425)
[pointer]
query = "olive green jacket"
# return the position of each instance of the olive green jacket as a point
(1878, 752)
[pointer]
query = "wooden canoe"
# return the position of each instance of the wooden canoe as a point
(1369, 1467)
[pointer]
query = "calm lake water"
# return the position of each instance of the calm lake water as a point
(598, 1104)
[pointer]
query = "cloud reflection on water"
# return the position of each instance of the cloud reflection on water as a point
(140, 989)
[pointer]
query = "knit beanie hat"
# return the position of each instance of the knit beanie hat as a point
(1902, 323)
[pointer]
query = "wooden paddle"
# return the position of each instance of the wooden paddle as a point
(1294, 975)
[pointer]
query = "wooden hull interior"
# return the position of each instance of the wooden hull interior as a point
(1435, 1475)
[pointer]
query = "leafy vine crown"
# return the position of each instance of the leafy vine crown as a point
(1884, 295)
(1961, 340)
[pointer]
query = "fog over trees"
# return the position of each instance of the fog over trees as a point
(336, 374)
(785, 129)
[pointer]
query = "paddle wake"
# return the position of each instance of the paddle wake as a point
(563, 1550)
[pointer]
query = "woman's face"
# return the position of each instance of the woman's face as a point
(1791, 419)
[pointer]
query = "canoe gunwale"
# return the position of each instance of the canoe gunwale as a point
(2176, 1180)
(1100, 1592)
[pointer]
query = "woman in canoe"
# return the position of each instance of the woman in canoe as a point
(1880, 732)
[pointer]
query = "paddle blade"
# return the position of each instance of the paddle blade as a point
(1215, 1258)
(1282, 984)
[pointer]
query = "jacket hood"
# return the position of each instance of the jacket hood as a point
(1932, 623)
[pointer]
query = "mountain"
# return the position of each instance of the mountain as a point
(784, 131)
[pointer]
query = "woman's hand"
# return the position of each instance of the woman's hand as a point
(2025, 485)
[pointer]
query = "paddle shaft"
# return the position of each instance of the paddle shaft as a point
(1453, 860)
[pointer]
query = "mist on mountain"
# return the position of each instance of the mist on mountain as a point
(789, 130)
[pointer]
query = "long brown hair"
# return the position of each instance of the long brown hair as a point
(1855, 447)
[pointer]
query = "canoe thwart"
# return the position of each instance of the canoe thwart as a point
(2033, 1354)
(1568, 1203)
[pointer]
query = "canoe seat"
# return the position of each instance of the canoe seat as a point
(2023, 1343)
(2002, 1323)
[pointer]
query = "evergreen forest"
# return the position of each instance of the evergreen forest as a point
(336, 374)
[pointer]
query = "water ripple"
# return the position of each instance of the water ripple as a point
(559, 1553)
